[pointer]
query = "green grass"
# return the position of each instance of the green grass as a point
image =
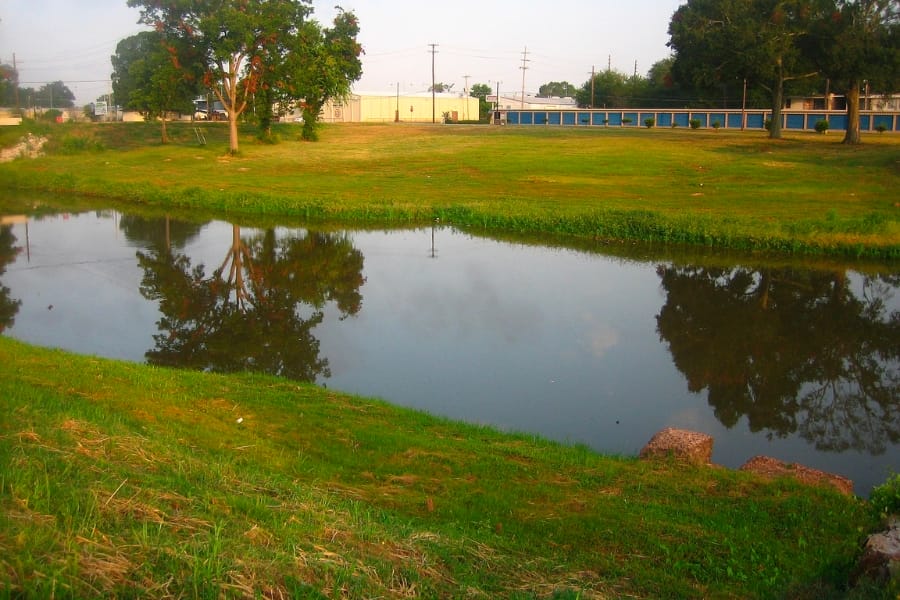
(126, 480)
(804, 194)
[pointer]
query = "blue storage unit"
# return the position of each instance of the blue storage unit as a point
(837, 121)
(812, 119)
(794, 122)
(756, 121)
(883, 120)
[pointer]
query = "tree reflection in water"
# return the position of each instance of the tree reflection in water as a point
(256, 312)
(8, 253)
(793, 351)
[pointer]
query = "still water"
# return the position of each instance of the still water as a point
(580, 346)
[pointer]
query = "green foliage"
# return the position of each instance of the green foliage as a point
(716, 124)
(51, 116)
(649, 122)
(881, 128)
(822, 126)
(695, 123)
(885, 498)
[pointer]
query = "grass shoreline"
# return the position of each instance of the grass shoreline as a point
(138, 481)
(802, 195)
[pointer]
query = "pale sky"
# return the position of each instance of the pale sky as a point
(72, 40)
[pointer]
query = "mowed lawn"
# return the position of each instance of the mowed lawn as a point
(739, 189)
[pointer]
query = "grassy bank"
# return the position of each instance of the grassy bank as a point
(807, 193)
(131, 481)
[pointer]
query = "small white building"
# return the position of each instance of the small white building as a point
(529, 102)
(364, 107)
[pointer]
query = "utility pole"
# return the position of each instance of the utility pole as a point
(524, 68)
(433, 52)
(466, 93)
(16, 69)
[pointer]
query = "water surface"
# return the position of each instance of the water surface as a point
(579, 346)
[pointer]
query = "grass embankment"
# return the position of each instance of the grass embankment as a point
(806, 193)
(132, 481)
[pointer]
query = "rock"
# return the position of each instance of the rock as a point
(681, 444)
(771, 467)
(880, 561)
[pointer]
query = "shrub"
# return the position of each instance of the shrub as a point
(881, 128)
(695, 123)
(649, 122)
(716, 124)
(627, 120)
(51, 115)
(885, 498)
(822, 126)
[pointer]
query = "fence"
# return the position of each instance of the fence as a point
(726, 119)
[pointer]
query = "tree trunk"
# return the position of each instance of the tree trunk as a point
(852, 94)
(232, 132)
(165, 133)
(777, 104)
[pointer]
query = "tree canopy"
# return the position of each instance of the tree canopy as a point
(254, 47)
(155, 76)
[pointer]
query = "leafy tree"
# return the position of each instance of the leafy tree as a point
(856, 41)
(155, 76)
(232, 37)
(482, 91)
(440, 88)
(54, 95)
(9, 85)
(717, 42)
(608, 89)
(329, 63)
(557, 89)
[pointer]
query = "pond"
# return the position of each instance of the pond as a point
(600, 345)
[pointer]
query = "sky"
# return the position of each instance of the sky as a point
(475, 41)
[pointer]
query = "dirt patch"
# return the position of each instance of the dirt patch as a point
(30, 146)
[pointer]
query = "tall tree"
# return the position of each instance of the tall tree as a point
(557, 89)
(155, 76)
(482, 91)
(9, 85)
(329, 62)
(605, 89)
(54, 95)
(717, 41)
(853, 42)
(232, 36)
